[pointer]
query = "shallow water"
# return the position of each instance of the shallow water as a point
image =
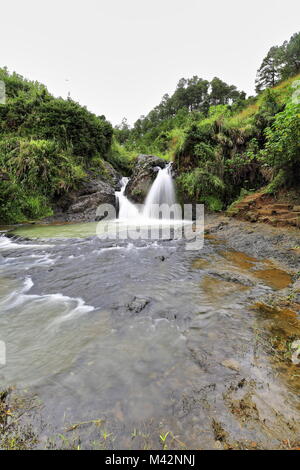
(134, 333)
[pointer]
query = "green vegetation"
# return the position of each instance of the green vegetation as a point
(46, 146)
(223, 144)
(280, 63)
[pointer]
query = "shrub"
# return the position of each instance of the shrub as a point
(201, 186)
(282, 149)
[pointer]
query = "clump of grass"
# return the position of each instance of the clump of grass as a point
(15, 432)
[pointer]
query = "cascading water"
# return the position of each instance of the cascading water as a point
(162, 192)
(127, 209)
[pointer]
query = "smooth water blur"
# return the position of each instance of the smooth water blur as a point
(127, 210)
(161, 192)
(130, 332)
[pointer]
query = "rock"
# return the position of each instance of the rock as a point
(231, 364)
(144, 174)
(114, 175)
(295, 346)
(137, 304)
(235, 278)
(82, 204)
(296, 286)
(218, 445)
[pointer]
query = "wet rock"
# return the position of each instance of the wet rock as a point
(231, 364)
(296, 286)
(296, 354)
(235, 278)
(82, 204)
(144, 174)
(137, 304)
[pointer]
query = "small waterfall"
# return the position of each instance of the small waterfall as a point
(127, 209)
(162, 191)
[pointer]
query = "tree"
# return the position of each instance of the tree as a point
(292, 57)
(269, 72)
(122, 131)
(280, 63)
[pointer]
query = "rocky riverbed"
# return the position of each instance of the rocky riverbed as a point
(125, 342)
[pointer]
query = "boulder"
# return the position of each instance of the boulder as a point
(81, 205)
(144, 173)
(113, 175)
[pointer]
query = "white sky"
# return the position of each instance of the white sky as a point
(118, 57)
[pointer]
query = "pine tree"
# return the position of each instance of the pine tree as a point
(269, 72)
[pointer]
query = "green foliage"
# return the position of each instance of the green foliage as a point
(34, 172)
(39, 165)
(121, 158)
(282, 149)
(277, 183)
(46, 146)
(280, 63)
(72, 126)
(16, 205)
(193, 100)
(214, 134)
(201, 186)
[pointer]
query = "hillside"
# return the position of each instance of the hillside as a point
(49, 147)
(233, 149)
(58, 158)
(223, 144)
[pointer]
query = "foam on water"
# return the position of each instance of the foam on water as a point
(6, 242)
(19, 296)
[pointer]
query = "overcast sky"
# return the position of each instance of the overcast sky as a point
(118, 57)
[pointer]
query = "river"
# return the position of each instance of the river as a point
(146, 336)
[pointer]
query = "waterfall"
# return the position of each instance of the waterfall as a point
(127, 209)
(161, 192)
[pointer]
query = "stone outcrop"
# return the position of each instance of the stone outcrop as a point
(80, 205)
(144, 174)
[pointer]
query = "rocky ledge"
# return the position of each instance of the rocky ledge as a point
(80, 205)
(144, 173)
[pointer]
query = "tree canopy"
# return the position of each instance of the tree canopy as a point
(280, 63)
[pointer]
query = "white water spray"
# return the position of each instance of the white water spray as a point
(127, 209)
(161, 192)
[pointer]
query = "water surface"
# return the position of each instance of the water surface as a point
(134, 333)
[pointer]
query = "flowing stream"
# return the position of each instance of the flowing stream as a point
(132, 333)
(162, 192)
(127, 210)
